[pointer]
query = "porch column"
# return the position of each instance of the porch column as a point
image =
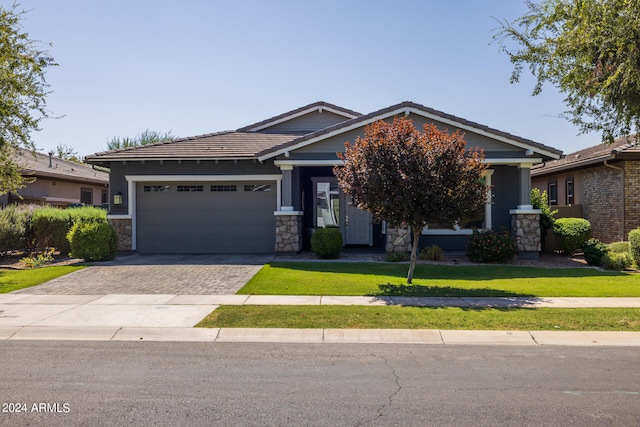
(288, 231)
(525, 186)
(287, 188)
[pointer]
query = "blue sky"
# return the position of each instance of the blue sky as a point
(198, 66)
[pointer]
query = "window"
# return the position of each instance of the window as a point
(257, 187)
(156, 189)
(104, 197)
(552, 192)
(86, 196)
(327, 204)
(190, 188)
(224, 188)
(569, 192)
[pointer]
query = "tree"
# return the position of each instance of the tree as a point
(404, 176)
(143, 138)
(589, 50)
(23, 91)
(67, 153)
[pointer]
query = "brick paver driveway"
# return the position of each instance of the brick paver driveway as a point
(158, 274)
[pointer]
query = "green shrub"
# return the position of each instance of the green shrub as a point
(540, 200)
(15, 227)
(594, 250)
(397, 256)
(571, 233)
(87, 214)
(50, 227)
(491, 246)
(634, 245)
(431, 253)
(39, 260)
(326, 243)
(93, 241)
(617, 260)
(619, 247)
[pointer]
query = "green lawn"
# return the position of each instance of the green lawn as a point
(588, 319)
(13, 280)
(376, 279)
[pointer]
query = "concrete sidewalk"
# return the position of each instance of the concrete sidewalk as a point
(171, 317)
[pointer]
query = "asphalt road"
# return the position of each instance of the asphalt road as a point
(226, 384)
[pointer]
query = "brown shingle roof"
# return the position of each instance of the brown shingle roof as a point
(590, 155)
(220, 145)
(37, 164)
(406, 105)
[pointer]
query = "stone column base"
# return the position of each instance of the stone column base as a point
(525, 229)
(288, 231)
(398, 239)
(123, 230)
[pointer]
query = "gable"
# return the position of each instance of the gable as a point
(307, 123)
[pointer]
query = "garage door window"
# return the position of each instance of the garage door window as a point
(156, 188)
(257, 187)
(190, 188)
(223, 188)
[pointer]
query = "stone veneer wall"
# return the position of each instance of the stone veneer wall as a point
(525, 228)
(288, 233)
(398, 239)
(603, 202)
(123, 231)
(632, 196)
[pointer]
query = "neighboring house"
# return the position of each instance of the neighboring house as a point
(267, 186)
(601, 183)
(58, 182)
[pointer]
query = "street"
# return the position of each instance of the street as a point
(229, 384)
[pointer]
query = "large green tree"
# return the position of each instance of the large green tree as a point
(143, 138)
(404, 176)
(23, 91)
(589, 50)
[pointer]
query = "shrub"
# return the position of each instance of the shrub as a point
(617, 260)
(15, 228)
(431, 253)
(491, 246)
(634, 245)
(397, 256)
(594, 250)
(50, 227)
(540, 200)
(93, 241)
(326, 243)
(40, 259)
(571, 233)
(619, 247)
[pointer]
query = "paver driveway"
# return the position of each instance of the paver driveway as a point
(158, 274)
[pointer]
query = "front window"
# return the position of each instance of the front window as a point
(569, 192)
(327, 204)
(86, 196)
(552, 191)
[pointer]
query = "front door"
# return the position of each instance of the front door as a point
(357, 223)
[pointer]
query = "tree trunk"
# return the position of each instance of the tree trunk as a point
(414, 253)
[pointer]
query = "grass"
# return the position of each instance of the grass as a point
(377, 279)
(13, 280)
(355, 317)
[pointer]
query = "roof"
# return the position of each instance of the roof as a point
(408, 107)
(220, 145)
(621, 147)
(316, 106)
(255, 141)
(37, 164)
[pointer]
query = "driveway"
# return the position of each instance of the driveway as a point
(158, 274)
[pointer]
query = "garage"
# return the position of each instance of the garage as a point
(205, 217)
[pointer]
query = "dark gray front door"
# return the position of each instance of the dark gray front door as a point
(206, 217)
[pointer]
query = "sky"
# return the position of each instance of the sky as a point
(192, 67)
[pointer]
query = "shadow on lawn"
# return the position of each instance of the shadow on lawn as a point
(444, 291)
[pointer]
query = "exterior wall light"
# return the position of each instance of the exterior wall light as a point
(117, 198)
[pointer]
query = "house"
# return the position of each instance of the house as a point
(600, 183)
(265, 187)
(58, 182)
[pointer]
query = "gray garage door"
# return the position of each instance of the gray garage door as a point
(206, 217)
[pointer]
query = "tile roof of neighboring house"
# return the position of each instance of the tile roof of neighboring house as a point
(414, 106)
(220, 145)
(588, 156)
(37, 164)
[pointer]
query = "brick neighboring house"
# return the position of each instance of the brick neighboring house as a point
(600, 183)
(59, 182)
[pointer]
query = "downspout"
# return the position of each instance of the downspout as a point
(624, 199)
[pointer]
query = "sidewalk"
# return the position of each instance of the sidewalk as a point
(171, 317)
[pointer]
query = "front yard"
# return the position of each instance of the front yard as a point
(13, 280)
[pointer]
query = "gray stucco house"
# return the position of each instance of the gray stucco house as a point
(265, 187)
